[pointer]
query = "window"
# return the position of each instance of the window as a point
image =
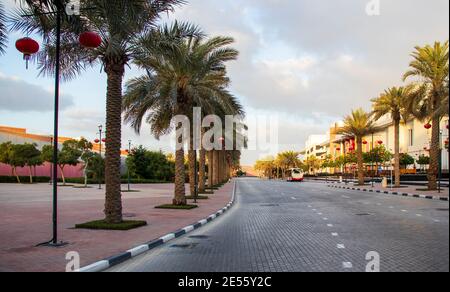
(410, 137)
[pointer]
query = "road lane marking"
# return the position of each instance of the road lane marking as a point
(419, 215)
(437, 221)
(405, 211)
(330, 225)
(335, 234)
(341, 246)
(293, 198)
(326, 219)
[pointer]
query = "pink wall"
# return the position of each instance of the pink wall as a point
(44, 170)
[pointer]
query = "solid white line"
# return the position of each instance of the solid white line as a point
(168, 237)
(95, 267)
(138, 250)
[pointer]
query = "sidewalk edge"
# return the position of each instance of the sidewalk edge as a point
(417, 196)
(120, 258)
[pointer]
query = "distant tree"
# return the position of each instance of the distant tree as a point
(328, 162)
(146, 164)
(313, 164)
(69, 155)
(423, 161)
(6, 153)
(86, 155)
(406, 160)
(96, 167)
(17, 159)
(31, 157)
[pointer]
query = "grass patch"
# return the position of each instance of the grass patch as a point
(102, 225)
(207, 193)
(198, 197)
(175, 207)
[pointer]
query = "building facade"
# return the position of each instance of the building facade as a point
(414, 140)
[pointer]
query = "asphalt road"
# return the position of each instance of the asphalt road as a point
(289, 227)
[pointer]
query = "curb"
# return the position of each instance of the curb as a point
(445, 199)
(120, 258)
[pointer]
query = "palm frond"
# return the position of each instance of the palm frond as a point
(3, 29)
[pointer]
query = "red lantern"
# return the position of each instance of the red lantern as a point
(90, 40)
(380, 142)
(97, 141)
(364, 142)
(27, 47)
(338, 149)
(428, 126)
(104, 140)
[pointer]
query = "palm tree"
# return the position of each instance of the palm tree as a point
(394, 102)
(3, 29)
(120, 24)
(429, 101)
(358, 124)
(182, 72)
(287, 160)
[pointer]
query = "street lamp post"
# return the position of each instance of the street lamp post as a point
(27, 50)
(100, 132)
(128, 169)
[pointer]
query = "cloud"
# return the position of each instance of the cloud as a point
(19, 96)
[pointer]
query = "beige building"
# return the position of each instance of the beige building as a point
(414, 140)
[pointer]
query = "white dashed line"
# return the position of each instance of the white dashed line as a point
(437, 221)
(293, 198)
(419, 215)
(325, 219)
(391, 207)
(405, 211)
(335, 234)
(330, 225)
(341, 246)
(320, 214)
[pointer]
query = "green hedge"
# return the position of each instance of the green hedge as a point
(80, 180)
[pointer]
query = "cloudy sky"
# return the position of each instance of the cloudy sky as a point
(307, 62)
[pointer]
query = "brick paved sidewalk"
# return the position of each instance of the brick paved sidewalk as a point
(415, 190)
(25, 220)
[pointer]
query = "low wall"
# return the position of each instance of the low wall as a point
(43, 170)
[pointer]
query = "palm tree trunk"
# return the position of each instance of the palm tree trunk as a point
(215, 167)
(192, 174)
(113, 195)
(210, 169)
(180, 179)
(434, 155)
(202, 171)
(360, 161)
(397, 153)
